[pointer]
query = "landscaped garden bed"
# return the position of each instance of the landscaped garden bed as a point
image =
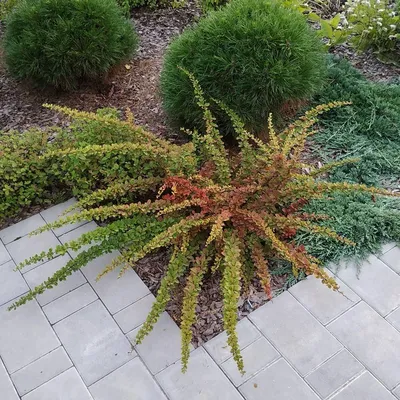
(163, 176)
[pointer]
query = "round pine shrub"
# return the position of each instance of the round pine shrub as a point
(62, 42)
(253, 55)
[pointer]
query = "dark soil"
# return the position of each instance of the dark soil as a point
(209, 309)
(369, 65)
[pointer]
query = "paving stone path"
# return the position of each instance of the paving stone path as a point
(76, 342)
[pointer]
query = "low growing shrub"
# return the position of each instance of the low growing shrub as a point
(232, 217)
(254, 55)
(368, 130)
(62, 42)
(95, 151)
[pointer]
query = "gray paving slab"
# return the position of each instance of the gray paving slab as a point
(132, 381)
(75, 234)
(41, 273)
(392, 259)
(69, 303)
(376, 283)
(12, 284)
(134, 315)
(29, 246)
(218, 347)
(162, 347)
(372, 340)
(396, 392)
(203, 380)
(66, 386)
(255, 357)
(94, 342)
(365, 387)
(25, 335)
(41, 371)
(334, 373)
(394, 318)
(322, 302)
(386, 247)
(295, 333)
(278, 382)
(115, 293)
(4, 255)
(54, 213)
(7, 390)
(21, 229)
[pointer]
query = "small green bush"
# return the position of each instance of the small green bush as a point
(94, 152)
(61, 42)
(254, 55)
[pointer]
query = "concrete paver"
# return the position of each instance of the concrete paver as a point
(372, 340)
(115, 293)
(255, 357)
(66, 386)
(7, 390)
(161, 347)
(203, 380)
(94, 342)
(334, 373)
(54, 213)
(131, 381)
(27, 247)
(25, 335)
(375, 283)
(41, 273)
(40, 371)
(134, 315)
(365, 387)
(307, 344)
(69, 303)
(296, 334)
(218, 346)
(21, 228)
(12, 284)
(279, 381)
(322, 302)
(392, 259)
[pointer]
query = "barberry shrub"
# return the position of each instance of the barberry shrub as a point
(95, 151)
(62, 42)
(254, 55)
(232, 217)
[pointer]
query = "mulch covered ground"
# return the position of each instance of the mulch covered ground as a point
(135, 86)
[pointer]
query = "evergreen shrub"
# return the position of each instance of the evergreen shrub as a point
(62, 42)
(254, 55)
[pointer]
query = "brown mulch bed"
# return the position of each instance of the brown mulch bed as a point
(135, 86)
(209, 309)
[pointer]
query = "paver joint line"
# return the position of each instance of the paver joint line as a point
(298, 345)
